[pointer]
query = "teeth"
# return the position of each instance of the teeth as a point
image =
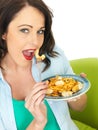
(30, 51)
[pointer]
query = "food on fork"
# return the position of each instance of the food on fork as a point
(38, 57)
(63, 86)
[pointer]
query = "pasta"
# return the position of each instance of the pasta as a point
(63, 86)
(38, 57)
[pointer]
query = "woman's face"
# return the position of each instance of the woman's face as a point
(25, 34)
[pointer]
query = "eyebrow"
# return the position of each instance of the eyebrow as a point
(29, 26)
(25, 25)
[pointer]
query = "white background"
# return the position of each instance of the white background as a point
(75, 26)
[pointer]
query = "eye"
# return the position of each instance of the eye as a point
(24, 30)
(41, 32)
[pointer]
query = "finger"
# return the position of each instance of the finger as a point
(39, 100)
(35, 99)
(83, 75)
(38, 95)
(35, 104)
(36, 88)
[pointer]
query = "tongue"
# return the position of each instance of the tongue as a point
(28, 55)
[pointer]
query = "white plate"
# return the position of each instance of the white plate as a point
(85, 88)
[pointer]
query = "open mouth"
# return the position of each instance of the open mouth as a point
(28, 54)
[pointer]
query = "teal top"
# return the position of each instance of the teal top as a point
(23, 117)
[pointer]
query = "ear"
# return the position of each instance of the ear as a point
(4, 36)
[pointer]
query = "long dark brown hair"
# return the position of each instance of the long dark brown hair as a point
(8, 10)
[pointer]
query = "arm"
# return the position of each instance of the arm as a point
(79, 104)
(35, 126)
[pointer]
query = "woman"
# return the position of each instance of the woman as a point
(25, 26)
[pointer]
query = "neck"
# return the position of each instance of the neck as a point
(9, 64)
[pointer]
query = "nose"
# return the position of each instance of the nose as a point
(34, 40)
